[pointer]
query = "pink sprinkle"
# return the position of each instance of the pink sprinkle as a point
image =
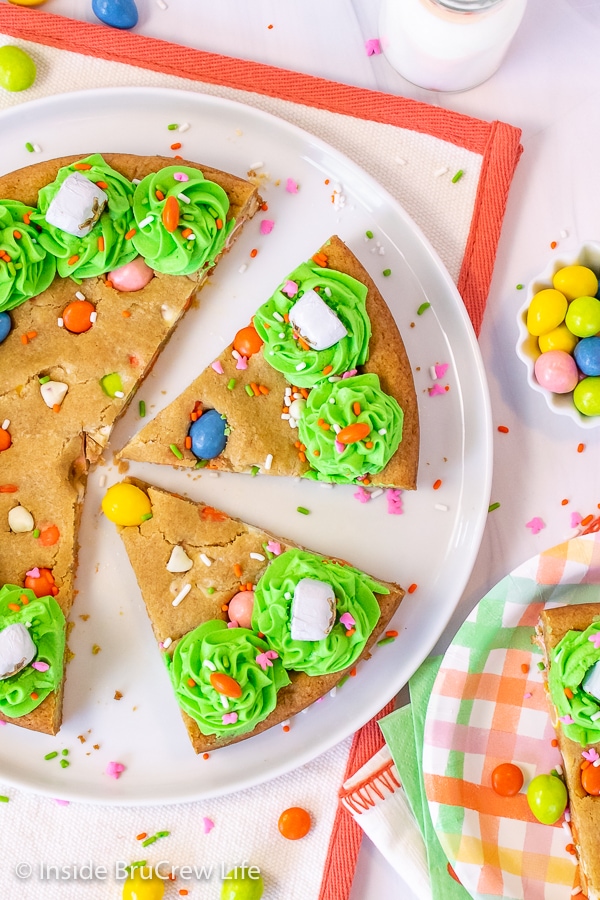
(568, 720)
(435, 390)
(291, 186)
(339, 446)
(207, 824)
(115, 769)
(33, 573)
(591, 754)
(242, 362)
(575, 519)
(2, 722)
(361, 495)
(373, 47)
(264, 659)
(595, 639)
(216, 365)
(233, 624)
(274, 547)
(394, 501)
(290, 288)
(181, 176)
(347, 620)
(61, 802)
(440, 369)
(527, 695)
(350, 373)
(230, 718)
(535, 524)
(266, 226)
(40, 666)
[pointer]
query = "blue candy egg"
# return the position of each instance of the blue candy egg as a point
(587, 355)
(118, 13)
(5, 325)
(208, 434)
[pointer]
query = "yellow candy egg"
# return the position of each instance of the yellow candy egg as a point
(143, 884)
(126, 504)
(546, 310)
(558, 339)
(575, 281)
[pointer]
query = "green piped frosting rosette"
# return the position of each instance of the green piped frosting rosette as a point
(47, 631)
(203, 216)
(354, 593)
(30, 269)
(84, 257)
(333, 404)
(345, 296)
(571, 660)
(236, 652)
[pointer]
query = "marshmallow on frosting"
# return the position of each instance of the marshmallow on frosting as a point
(591, 682)
(77, 205)
(313, 610)
(316, 321)
(16, 649)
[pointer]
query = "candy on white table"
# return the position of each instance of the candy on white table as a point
(77, 205)
(179, 561)
(316, 321)
(297, 408)
(20, 520)
(16, 649)
(591, 682)
(313, 610)
(53, 393)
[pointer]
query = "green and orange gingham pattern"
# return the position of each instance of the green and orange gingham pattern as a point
(487, 707)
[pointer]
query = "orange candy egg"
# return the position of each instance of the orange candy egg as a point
(77, 316)
(170, 213)
(294, 823)
(590, 780)
(5, 439)
(507, 779)
(353, 433)
(247, 341)
(225, 684)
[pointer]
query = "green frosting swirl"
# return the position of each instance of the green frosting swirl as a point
(168, 251)
(347, 298)
(232, 651)
(333, 404)
(30, 269)
(570, 661)
(354, 592)
(47, 632)
(114, 223)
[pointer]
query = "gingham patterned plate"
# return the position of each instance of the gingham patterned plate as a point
(488, 707)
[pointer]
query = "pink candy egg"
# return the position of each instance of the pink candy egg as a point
(132, 277)
(240, 608)
(556, 371)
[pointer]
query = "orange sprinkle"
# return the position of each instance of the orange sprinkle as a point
(191, 682)
(108, 283)
(503, 429)
(553, 245)
(297, 444)
(304, 393)
(24, 599)
(176, 146)
(350, 632)
(82, 166)
(303, 343)
(31, 335)
(263, 389)
(102, 185)
(130, 234)
(563, 502)
(73, 259)
(356, 408)
(183, 892)
(568, 693)
(316, 452)
(437, 484)
(368, 444)
(412, 588)
(17, 235)
(320, 259)
(570, 848)
(140, 837)
(188, 443)
(353, 672)
(325, 425)
(391, 633)
(265, 207)
(302, 456)
(366, 480)
(214, 515)
(100, 244)
(27, 218)
(160, 195)
(285, 728)
(524, 668)
(193, 416)
(56, 407)
(15, 607)
(326, 181)
(587, 520)
(249, 586)
(34, 695)
(219, 224)
(580, 448)
(255, 389)
(8, 488)
(205, 755)
(286, 319)
(327, 370)
(266, 324)
(24, 339)
(186, 232)
(253, 253)
(225, 607)
(237, 570)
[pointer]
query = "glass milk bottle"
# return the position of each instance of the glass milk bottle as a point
(448, 45)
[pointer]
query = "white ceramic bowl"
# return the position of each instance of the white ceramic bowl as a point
(528, 351)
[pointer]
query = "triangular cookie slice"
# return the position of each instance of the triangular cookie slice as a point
(75, 353)
(275, 401)
(252, 629)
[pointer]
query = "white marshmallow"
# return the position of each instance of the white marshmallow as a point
(16, 649)
(297, 408)
(591, 682)
(316, 321)
(77, 205)
(313, 610)
(179, 560)
(53, 392)
(20, 520)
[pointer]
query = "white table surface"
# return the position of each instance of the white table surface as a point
(547, 86)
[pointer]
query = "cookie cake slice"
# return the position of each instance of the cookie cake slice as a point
(318, 385)
(97, 265)
(252, 628)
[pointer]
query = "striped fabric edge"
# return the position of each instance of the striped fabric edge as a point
(497, 142)
(368, 792)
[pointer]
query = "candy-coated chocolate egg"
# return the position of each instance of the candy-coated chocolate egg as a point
(77, 316)
(112, 385)
(42, 585)
(5, 439)
(294, 823)
(587, 355)
(586, 396)
(547, 798)
(226, 685)
(243, 884)
(143, 884)
(546, 310)
(507, 779)
(170, 213)
(118, 13)
(575, 281)
(353, 433)
(556, 371)
(590, 780)
(583, 316)
(240, 608)
(247, 341)
(208, 434)
(27, 2)
(126, 504)
(5, 326)
(559, 338)
(17, 69)
(133, 276)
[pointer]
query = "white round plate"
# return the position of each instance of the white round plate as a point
(428, 546)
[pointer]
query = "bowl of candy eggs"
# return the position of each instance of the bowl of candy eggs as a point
(559, 335)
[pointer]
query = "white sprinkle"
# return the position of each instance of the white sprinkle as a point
(79, 295)
(334, 378)
(400, 161)
(575, 891)
(376, 493)
(206, 560)
(183, 198)
(182, 594)
(161, 4)
(337, 428)
(258, 556)
(596, 763)
(119, 394)
(433, 373)
(287, 595)
(136, 181)
(167, 643)
(441, 171)
(268, 461)
(256, 165)
(288, 392)
(282, 334)
(333, 692)
(102, 481)
(5, 424)
(235, 354)
(381, 251)
(213, 474)
(191, 237)
(146, 221)
(565, 825)
(242, 268)
(332, 400)
(567, 815)
(382, 431)
(60, 322)
(37, 148)
(441, 507)
(559, 768)
(285, 416)
(278, 316)
(300, 366)
(595, 716)
(224, 701)
(293, 422)
(328, 485)
(185, 126)
(297, 396)
(93, 316)
(209, 665)
(564, 233)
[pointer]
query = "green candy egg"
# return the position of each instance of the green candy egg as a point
(546, 311)
(242, 884)
(586, 396)
(547, 798)
(583, 317)
(17, 69)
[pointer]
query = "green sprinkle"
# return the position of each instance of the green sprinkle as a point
(160, 834)
(231, 384)
(65, 752)
(369, 234)
(458, 176)
(150, 840)
(387, 272)
(493, 506)
(249, 390)
(64, 763)
(173, 127)
(225, 661)
(254, 470)
(146, 516)
(29, 147)
(11, 268)
(44, 379)
(142, 408)
(541, 666)
(3, 799)
(138, 864)
(384, 641)
(343, 681)
(36, 532)
(176, 451)
(201, 464)
(520, 287)
(210, 590)
(423, 307)
(51, 755)
(303, 510)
